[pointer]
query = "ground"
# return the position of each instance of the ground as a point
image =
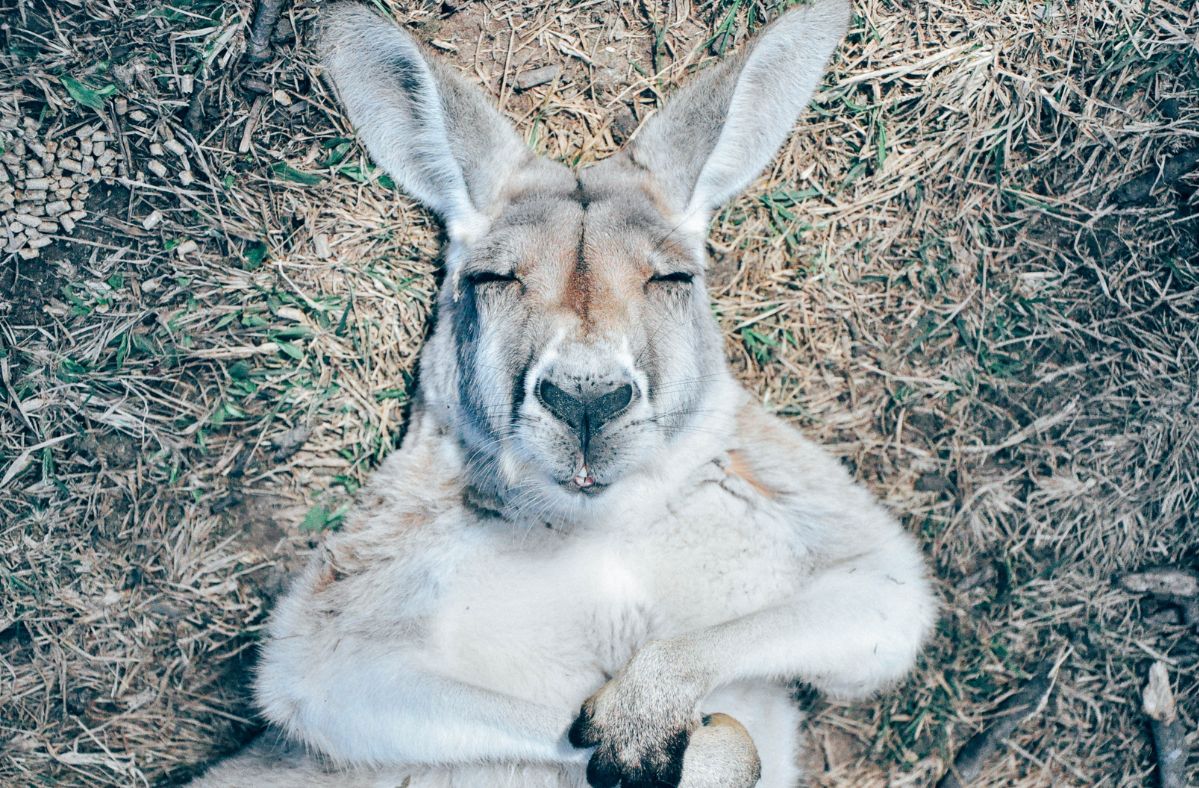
(956, 275)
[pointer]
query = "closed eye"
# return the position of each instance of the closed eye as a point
(674, 277)
(479, 278)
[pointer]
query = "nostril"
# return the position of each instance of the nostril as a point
(564, 407)
(608, 406)
(623, 396)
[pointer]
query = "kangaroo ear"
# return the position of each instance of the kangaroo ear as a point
(433, 132)
(721, 130)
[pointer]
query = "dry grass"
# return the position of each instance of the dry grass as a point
(935, 279)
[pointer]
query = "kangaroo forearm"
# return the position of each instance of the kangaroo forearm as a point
(850, 631)
(376, 717)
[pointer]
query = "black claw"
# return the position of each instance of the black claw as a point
(675, 748)
(602, 772)
(642, 778)
(646, 783)
(582, 734)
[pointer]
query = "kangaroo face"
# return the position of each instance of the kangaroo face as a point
(583, 338)
(574, 343)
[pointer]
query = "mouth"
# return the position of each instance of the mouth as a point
(583, 482)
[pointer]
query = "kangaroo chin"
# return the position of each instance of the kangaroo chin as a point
(595, 559)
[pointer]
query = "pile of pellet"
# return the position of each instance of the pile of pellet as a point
(44, 183)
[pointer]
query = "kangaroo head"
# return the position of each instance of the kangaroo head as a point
(575, 345)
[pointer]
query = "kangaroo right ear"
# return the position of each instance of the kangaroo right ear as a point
(721, 130)
(433, 132)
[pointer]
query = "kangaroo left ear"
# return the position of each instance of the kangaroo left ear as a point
(433, 132)
(721, 130)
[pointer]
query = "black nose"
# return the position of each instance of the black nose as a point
(585, 415)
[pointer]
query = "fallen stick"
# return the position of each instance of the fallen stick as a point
(538, 76)
(194, 119)
(982, 747)
(1169, 736)
(265, 20)
(1171, 585)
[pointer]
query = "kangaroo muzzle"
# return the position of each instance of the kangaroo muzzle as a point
(587, 403)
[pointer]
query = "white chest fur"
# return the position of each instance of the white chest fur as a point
(550, 616)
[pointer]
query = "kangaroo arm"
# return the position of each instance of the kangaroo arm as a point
(371, 711)
(855, 627)
(856, 624)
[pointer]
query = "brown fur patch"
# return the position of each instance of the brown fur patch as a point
(739, 467)
(340, 562)
(580, 284)
(327, 577)
(597, 290)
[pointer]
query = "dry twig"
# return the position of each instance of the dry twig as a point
(259, 49)
(194, 119)
(1168, 584)
(1029, 700)
(1169, 735)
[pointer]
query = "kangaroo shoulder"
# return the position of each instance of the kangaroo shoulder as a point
(777, 459)
(405, 526)
(799, 476)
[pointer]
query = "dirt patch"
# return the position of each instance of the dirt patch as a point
(26, 289)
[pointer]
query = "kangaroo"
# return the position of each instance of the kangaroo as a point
(595, 559)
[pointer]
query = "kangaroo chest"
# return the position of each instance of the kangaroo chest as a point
(550, 617)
